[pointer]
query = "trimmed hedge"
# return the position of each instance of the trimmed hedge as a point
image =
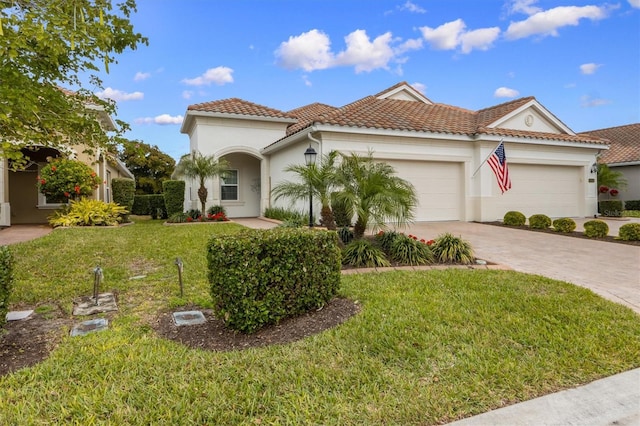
(629, 232)
(124, 191)
(140, 205)
(632, 205)
(564, 224)
(514, 218)
(6, 281)
(259, 277)
(596, 229)
(173, 196)
(610, 208)
(539, 221)
(157, 207)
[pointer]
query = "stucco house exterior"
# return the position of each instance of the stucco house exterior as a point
(437, 147)
(20, 200)
(622, 156)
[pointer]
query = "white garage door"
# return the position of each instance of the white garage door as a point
(439, 186)
(551, 190)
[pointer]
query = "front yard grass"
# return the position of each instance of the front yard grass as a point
(427, 347)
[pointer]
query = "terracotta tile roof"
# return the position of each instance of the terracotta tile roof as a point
(239, 106)
(487, 116)
(624, 143)
(306, 114)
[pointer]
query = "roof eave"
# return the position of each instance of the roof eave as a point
(192, 114)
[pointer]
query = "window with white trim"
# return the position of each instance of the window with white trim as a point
(229, 186)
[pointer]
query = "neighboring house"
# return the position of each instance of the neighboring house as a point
(623, 156)
(20, 200)
(436, 147)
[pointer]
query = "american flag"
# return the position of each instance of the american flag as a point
(498, 163)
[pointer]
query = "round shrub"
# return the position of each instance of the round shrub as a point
(6, 281)
(629, 232)
(596, 229)
(450, 249)
(564, 224)
(361, 253)
(514, 218)
(539, 221)
(408, 251)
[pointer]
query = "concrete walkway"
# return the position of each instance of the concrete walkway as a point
(19, 233)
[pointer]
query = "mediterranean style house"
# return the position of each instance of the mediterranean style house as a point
(623, 156)
(20, 200)
(438, 148)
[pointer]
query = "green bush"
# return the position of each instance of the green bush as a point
(194, 214)
(409, 251)
(632, 205)
(345, 234)
(86, 212)
(514, 218)
(610, 208)
(386, 239)
(123, 190)
(173, 191)
(157, 208)
(279, 213)
(342, 212)
(362, 253)
(63, 179)
(629, 232)
(141, 205)
(564, 224)
(178, 218)
(260, 277)
(6, 281)
(214, 210)
(596, 229)
(539, 221)
(450, 249)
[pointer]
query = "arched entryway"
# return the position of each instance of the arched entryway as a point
(240, 191)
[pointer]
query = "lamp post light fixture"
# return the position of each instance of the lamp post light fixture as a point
(310, 158)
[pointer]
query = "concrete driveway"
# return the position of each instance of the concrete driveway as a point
(611, 270)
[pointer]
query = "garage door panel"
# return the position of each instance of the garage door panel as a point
(551, 190)
(438, 185)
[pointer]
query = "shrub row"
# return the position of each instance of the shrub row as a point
(592, 228)
(6, 281)
(260, 277)
(123, 190)
(632, 205)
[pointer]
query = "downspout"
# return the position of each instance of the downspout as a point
(311, 130)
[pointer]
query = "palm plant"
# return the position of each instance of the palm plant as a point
(320, 180)
(201, 167)
(610, 178)
(375, 193)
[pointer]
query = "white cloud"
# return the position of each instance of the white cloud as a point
(452, 35)
(635, 3)
(587, 101)
(505, 92)
(591, 68)
(411, 44)
(422, 88)
(306, 80)
(481, 39)
(412, 7)
(523, 6)
(218, 75)
(187, 94)
(140, 76)
(162, 119)
(446, 36)
(364, 54)
(309, 51)
(548, 22)
(119, 95)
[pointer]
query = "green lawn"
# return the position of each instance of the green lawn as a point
(426, 348)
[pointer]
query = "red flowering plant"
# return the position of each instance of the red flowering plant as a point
(218, 217)
(63, 179)
(613, 192)
(603, 189)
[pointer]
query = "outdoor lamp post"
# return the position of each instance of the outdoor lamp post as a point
(309, 159)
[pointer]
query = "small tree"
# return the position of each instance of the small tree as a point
(201, 167)
(320, 180)
(63, 179)
(610, 179)
(375, 193)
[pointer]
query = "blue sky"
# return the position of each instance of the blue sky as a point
(580, 59)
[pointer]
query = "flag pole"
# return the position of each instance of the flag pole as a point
(485, 160)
